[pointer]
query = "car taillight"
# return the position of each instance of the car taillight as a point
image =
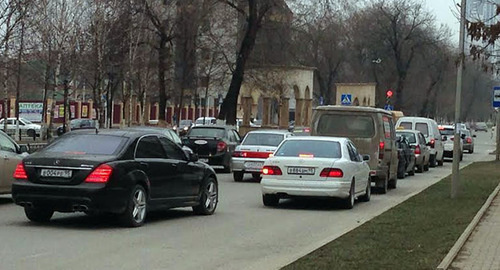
(381, 147)
(248, 154)
(20, 172)
(452, 138)
(433, 142)
(331, 172)
(221, 146)
(469, 140)
(417, 150)
(271, 170)
(100, 175)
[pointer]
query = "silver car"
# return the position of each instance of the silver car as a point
(417, 142)
(11, 154)
(255, 148)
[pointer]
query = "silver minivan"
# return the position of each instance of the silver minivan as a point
(430, 129)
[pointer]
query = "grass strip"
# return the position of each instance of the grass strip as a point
(417, 234)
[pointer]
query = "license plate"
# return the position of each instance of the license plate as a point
(56, 173)
(204, 160)
(254, 165)
(301, 170)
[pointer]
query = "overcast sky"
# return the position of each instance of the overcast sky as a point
(445, 10)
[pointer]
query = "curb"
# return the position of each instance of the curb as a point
(446, 262)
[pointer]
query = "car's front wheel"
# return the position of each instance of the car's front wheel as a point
(135, 213)
(368, 192)
(348, 203)
(209, 198)
(238, 176)
(38, 214)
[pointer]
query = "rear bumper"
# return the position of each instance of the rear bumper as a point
(217, 160)
(243, 164)
(325, 188)
(84, 197)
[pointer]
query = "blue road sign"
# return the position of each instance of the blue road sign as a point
(346, 99)
(496, 97)
(388, 107)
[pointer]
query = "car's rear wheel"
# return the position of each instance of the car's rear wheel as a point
(440, 162)
(270, 199)
(412, 171)
(238, 176)
(256, 176)
(135, 213)
(471, 150)
(38, 214)
(31, 133)
(348, 203)
(432, 161)
(228, 168)
(209, 198)
(382, 185)
(368, 192)
(401, 170)
(420, 168)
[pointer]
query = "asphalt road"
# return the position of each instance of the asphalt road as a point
(242, 234)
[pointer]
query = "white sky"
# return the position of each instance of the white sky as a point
(445, 12)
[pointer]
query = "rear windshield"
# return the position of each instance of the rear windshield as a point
(410, 137)
(447, 131)
(406, 125)
(422, 127)
(344, 125)
(263, 139)
(87, 144)
(321, 149)
(207, 132)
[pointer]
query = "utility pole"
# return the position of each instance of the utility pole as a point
(458, 96)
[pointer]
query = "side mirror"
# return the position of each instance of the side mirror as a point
(366, 157)
(23, 148)
(193, 157)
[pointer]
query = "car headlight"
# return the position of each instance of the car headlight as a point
(174, 128)
(185, 128)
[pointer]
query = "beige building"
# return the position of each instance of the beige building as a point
(356, 94)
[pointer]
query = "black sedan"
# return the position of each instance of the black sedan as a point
(406, 157)
(121, 172)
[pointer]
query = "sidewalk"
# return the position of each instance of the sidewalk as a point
(482, 249)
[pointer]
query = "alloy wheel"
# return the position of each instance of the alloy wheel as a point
(139, 212)
(211, 196)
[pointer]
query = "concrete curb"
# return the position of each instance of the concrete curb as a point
(446, 262)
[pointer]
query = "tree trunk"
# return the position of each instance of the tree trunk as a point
(162, 94)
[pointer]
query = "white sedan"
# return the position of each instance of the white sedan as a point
(316, 167)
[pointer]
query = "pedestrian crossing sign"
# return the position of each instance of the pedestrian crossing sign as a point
(346, 99)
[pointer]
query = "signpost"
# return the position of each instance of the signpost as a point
(496, 105)
(346, 99)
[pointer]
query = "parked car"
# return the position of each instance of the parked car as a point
(316, 167)
(417, 142)
(448, 133)
(79, 123)
(481, 126)
(10, 155)
(213, 144)
(429, 128)
(372, 132)
(468, 141)
(184, 126)
(205, 121)
(406, 157)
(26, 127)
(123, 172)
(255, 148)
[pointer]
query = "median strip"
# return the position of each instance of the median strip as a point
(417, 234)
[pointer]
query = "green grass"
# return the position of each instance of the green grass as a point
(416, 234)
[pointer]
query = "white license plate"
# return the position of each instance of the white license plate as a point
(204, 160)
(56, 173)
(301, 170)
(254, 165)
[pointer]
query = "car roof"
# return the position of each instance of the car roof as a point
(447, 126)
(352, 109)
(270, 131)
(317, 138)
(148, 128)
(213, 126)
(415, 118)
(128, 133)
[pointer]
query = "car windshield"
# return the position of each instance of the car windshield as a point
(207, 132)
(88, 144)
(410, 137)
(345, 125)
(185, 122)
(447, 131)
(207, 121)
(26, 121)
(315, 148)
(267, 139)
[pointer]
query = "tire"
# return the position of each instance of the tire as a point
(348, 203)
(471, 150)
(426, 167)
(440, 162)
(432, 161)
(270, 200)
(461, 156)
(238, 176)
(393, 183)
(401, 171)
(256, 176)
(39, 215)
(229, 167)
(382, 185)
(209, 198)
(420, 168)
(135, 213)
(31, 133)
(368, 193)
(412, 172)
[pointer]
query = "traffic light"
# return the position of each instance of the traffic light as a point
(388, 95)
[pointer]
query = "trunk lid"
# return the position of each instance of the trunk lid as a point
(291, 166)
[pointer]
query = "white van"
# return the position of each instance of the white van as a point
(430, 129)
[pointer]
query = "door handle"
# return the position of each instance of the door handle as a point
(144, 164)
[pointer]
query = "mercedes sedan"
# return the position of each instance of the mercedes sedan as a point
(126, 173)
(316, 167)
